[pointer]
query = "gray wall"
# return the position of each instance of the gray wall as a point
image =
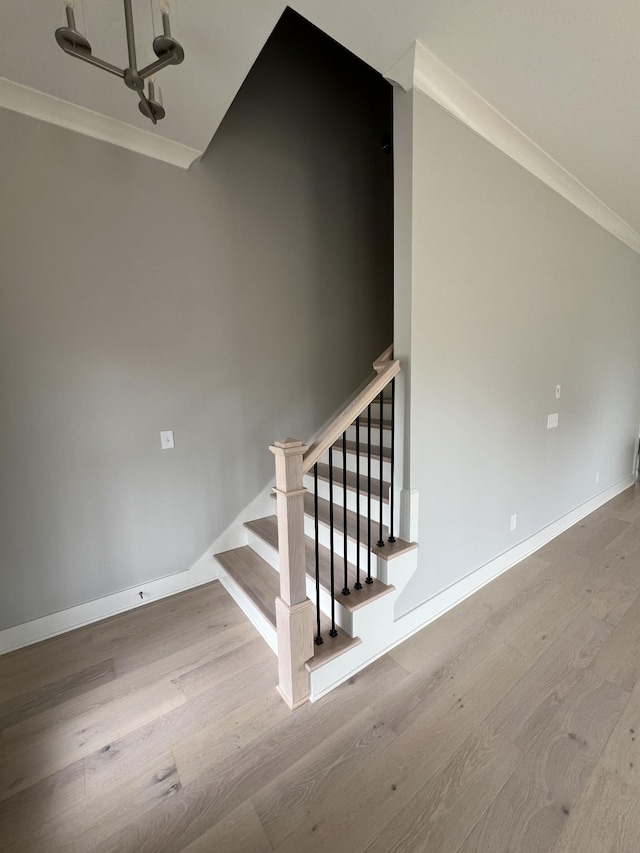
(237, 303)
(512, 291)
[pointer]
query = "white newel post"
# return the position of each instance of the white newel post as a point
(294, 611)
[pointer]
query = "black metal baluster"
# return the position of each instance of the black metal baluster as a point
(332, 632)
(345, 588)
(369, 578)
(380, 542)
(392, 538)
(357, 584)
(319, 640)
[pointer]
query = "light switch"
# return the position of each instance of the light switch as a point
(552, 421)
(557, 392)
(166, 439)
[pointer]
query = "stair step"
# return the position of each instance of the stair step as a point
(331, 647)
(323, 474)
(255, 576)
(375, 450)
(261, 583)
(338, 521)
(375, 423)
(267, 530)
(388, 550)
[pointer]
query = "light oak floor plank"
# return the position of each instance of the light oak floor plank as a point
(621, 755)
(526, 710)
(530, 811)
(286, 802)
(239, 832)
(161, 730)
(441, 814)
(83, 824)
(13, 711)
(606, 819)
(30, 755)
(227, 784)
(618, 660)
(34, 807)
(343, 822)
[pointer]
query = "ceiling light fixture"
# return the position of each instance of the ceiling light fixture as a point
(166, 48)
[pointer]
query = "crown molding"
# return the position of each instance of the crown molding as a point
(22, 99)
(420, 69)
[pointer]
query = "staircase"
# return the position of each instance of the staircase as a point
(331, 612)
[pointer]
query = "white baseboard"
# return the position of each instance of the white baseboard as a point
(204, 570)
(438, 604)
(419, 617)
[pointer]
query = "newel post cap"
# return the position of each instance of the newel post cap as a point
(287, 447)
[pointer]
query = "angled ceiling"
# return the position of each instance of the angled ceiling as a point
(565, 72)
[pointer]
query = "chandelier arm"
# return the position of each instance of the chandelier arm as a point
(131, 39)
(149, 114)
(94, 60)
(157, 66)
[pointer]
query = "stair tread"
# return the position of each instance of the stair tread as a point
(375, 423)
(375, 450)
(255, 576)
(261, 583)
(389, 550)
(331, 647)
(323, 474)
(267, 529)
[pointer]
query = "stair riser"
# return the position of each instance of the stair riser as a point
(375, 406)
(264, 550)
(352, 464)
(338, 499)
(248, 607)
(375, 435)
(344, 618)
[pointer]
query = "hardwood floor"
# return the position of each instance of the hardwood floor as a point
(512, 724)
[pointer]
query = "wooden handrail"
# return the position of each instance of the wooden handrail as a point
(383, 360)
(335, 429)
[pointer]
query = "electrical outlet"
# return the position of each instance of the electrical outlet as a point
(552, 421)
(514, 521)
(597, 477)
(166, 439)
(557, 392)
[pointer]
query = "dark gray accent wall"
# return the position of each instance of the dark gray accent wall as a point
(236, 303)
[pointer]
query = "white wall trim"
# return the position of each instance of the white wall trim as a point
(421, 69)
(22, 99)
(204, 570)
(436, 606)
(334, 673)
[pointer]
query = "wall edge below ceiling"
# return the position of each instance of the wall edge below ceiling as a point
(420, 69)
(22, 99)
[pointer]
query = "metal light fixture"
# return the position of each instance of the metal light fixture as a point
(166, 48)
